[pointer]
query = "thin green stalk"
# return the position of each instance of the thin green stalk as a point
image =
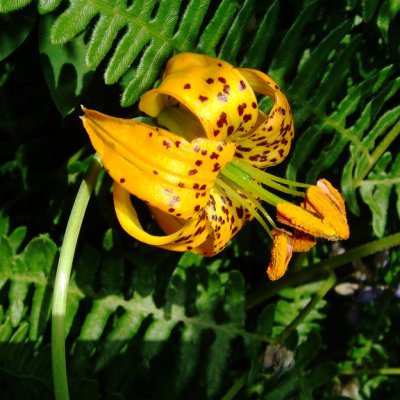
(378, 151)
(324, 289)
(379, 371)
(62, 280)
(323, 268)
(236, 387)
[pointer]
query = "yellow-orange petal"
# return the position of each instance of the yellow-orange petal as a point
(159, 167)
(212, 89)
(182, 235)
(331, 209)
(304, 221)
(270, 142)
(281, 253)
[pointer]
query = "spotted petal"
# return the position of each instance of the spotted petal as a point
(213, 90)
(184, 235)
(159, 167)
(270, 142)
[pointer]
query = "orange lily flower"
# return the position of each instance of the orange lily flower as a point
(198, 166)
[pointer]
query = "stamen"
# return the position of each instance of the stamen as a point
(261, 175)
(231, 192)
(246, 182)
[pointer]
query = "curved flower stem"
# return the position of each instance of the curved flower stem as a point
(324, 289)
(323, 268)
(62, 279)
(380, 371)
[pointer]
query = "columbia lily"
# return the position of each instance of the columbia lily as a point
(199, 164)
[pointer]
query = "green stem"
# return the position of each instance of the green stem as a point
(62, 280)
(324, 289)
(236, 387)
(323, 268)
(380, 371)
(378, 151)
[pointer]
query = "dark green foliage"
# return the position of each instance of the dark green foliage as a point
(148, 324)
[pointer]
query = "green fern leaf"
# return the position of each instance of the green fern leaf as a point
(12, 5)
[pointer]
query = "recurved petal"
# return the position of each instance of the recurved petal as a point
(182, 235)
(270, 142)
(226, 218)
(212, 89)
(281, 253)
(159, 167)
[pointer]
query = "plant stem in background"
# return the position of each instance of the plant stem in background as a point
(323, 268)
(62, 279)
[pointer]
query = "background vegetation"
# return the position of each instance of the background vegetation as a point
(145, 323)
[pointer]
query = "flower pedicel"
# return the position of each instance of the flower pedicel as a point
(200, 166)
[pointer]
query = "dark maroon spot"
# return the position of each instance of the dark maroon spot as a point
(203, 187)
(189, 247)
(269, 129)
(219, 65)
(241, 148)
(222, 79)
(150, 134)
(216, 132)
(230, 130)
(192, 172)
(203, 98)
(214, 156)
(234, 230)
(177, 143)
(204, 152)
(282, 111)
(239, 212)
(195, 185)
(219, 148)
(242, 85)
(253, 104)
(178, 215)
(210, 81)
(254, 158)
(238, 155)
(155, 172)
(241, 108)
(167, 144)
(222, 97)
(198, 163)
(171, 209)
(122, 180)
(216, 168)
(181, 185)
(276, 87)
(222, 120)
(197, 208)
(187, 86)
(247, 117)
(226, 89)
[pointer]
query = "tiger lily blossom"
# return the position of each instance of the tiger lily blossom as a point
(199, 165)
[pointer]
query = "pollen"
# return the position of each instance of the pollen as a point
(281, 254)
(331, 209)
(304, 221)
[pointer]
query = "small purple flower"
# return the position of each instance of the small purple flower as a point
(368, 294)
